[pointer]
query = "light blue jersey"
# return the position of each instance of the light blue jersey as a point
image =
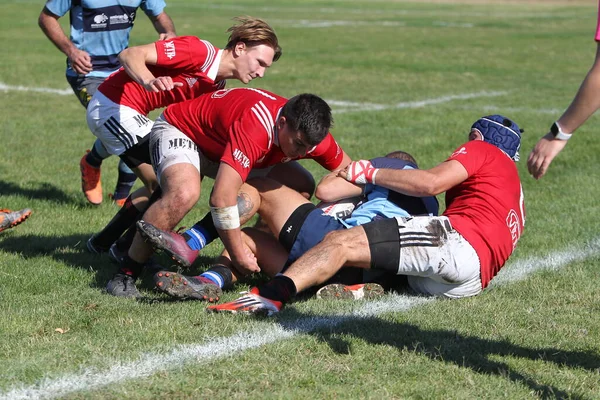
(384, 203)
(101, 28)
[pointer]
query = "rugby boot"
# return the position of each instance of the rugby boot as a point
(9, 218)
(250, 303)
(186, 287)
(171, 243)
(118, 202)
(90, 181)
(123, 285)
(367, 291)
(95, 248)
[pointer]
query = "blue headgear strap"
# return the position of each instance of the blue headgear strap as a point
(501, 132)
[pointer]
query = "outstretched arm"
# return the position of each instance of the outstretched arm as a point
(223, 202)
(585, 103)
(412, 182)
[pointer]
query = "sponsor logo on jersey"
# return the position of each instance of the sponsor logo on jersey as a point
(513, 223)
(119, 19)
(100, 21)
(170, 50)
(182, 143)
(458, 152)
(191, 81)
(241, 158)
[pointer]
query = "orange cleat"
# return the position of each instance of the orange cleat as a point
(9, 218)
(250, 303)
(90, 181)
(119, 202)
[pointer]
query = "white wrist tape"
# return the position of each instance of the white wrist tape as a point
(225, 218)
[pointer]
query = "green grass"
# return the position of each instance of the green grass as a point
(535, 338)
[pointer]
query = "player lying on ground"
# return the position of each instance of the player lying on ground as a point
(226, 135)
(298, 224)
(162, 73)
(455, 255)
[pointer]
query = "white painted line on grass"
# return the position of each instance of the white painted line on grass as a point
(325, 23)
(7, 88)
(346, 106)
(341, 106)
(152, 363)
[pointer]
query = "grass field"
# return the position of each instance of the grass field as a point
(398, 75)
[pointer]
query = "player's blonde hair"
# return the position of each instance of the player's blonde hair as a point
(253, 32)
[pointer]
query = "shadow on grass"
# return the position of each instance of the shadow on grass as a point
(43, 191)
(72, 251)
(444, 346)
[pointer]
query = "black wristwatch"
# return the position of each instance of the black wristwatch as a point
(558, 133)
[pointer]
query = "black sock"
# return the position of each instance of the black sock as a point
(220, 275)
(124, 242)
(93, 158)
(126, 217)
(125, 182)
(131, 267)
(280, 288)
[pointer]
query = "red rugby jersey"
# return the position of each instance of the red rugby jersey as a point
(187, 59)
(237, 127)
(488, 208)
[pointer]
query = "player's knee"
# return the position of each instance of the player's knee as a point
(182, 197)
(338, 239)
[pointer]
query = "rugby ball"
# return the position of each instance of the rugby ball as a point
(340, 209)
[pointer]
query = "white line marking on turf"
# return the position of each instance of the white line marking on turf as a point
(325, 23)
(152, 363)
(7, 88)
(347, 106)
(342, 106)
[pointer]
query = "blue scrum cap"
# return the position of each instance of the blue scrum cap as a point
(501, 132)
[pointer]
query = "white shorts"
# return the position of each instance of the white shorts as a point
(436, 258)
(118, 127)
(169, 146)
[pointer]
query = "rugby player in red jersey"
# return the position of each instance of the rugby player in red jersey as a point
(162, 73)
(226, 135)
(454, 255)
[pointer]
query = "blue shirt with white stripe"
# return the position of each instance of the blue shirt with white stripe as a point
(385, 203)
(101, 28)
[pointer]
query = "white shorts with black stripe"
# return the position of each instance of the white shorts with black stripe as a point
(437, 259)
(118, 127)
(169, 146)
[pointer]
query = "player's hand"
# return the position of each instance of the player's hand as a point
(162, 83)
(247, 265)
(360, 172)
(542, 155)
(81, 62)
(166, 36)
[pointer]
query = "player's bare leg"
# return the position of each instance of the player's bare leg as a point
(180, 185)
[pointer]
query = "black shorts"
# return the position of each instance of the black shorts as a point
(138, 154)
(384, 243)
